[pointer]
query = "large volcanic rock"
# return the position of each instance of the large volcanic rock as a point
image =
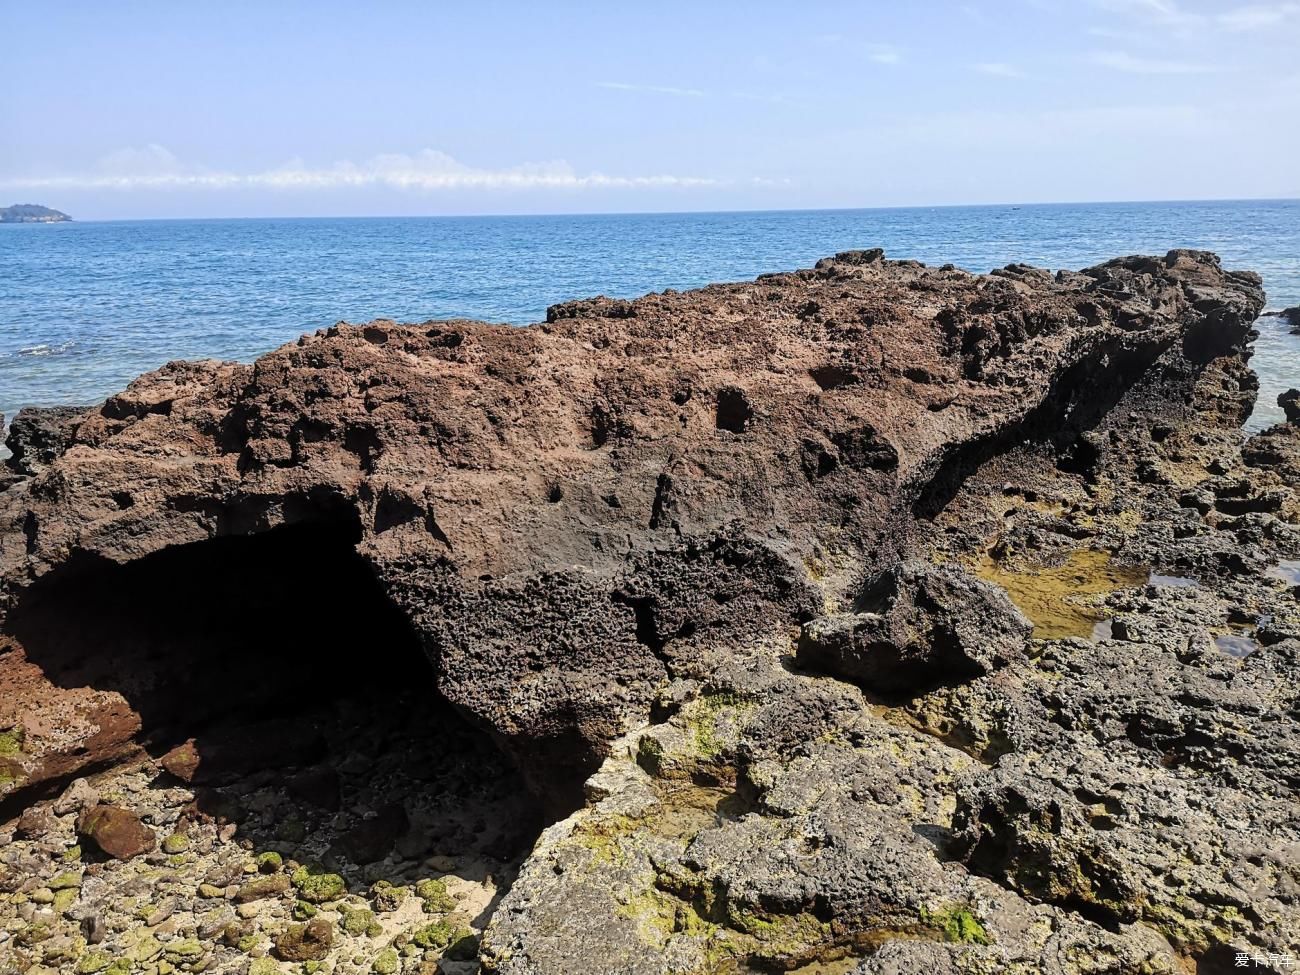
(573, 513)
(920, 625)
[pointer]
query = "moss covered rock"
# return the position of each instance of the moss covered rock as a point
(305, 942)
(435, 896)
(440, 934)
(317, 888)
(92, 962)
(387, 897)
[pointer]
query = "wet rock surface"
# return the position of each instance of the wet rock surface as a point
(874, 618)
(1290, 316)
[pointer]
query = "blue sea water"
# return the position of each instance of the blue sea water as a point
(84, 307)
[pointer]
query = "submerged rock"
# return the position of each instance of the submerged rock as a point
(1290, 316)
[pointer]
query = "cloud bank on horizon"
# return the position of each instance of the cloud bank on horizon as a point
(156, 167)
(176, 110)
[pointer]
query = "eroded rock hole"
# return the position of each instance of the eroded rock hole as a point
(734, 411)
(288, 710)
(834, 376)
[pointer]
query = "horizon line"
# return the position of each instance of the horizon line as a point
(668, 213)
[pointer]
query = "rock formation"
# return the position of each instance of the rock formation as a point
(1289, 316)
(706, 568)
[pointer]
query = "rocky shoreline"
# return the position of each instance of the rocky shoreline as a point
(871, 618)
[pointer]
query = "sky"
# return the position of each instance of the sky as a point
(139, 109)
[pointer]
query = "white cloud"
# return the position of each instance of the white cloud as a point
(748, 96)
(1126, 36)
(1166, 12)
(1170, 14)
(1130, 64)
(652, 89)
(152, 159)
(875, 52)
(154, 167)
(998, 69)
(1258, 16)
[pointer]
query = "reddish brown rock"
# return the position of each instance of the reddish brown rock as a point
(116, 831)
(182, 761)
(34, 823)
(570, 514)
(305, 942)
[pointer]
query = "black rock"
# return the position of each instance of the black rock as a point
(39, 435)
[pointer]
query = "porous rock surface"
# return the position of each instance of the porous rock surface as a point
(705, 566)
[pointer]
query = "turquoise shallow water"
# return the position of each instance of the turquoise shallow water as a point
(84, 307)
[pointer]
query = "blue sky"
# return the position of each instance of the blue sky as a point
(168, 109)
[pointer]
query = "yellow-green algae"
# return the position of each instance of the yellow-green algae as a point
(703, 717)
(682, 812)
(11, 742)
(11, 750)
(673, 901)
(1058, 599)
(440, 934)
(957, 923)
(435, 896)
(725, 935)
(317, 888)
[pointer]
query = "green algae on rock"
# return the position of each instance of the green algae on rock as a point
(317, 888)
(11, 742)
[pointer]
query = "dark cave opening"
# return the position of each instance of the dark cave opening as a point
(230, 628)
(273, 678)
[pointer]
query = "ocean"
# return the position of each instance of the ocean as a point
(84, 307)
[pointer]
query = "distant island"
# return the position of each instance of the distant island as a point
(31, 213)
